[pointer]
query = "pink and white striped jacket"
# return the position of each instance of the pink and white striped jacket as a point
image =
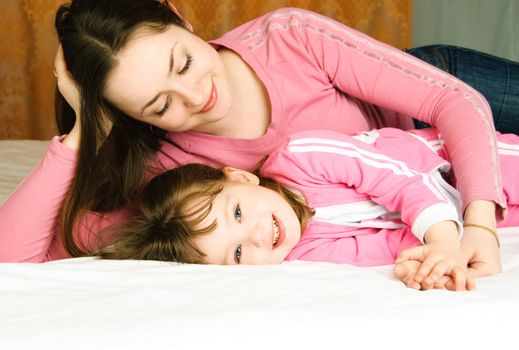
(375, 193)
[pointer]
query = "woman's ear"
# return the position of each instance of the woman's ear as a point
(240, 176)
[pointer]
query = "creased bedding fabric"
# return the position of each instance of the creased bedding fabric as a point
(92, 304)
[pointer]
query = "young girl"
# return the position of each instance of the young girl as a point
(361, 200)
(153, 96)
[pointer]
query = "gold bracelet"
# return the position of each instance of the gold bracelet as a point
(494, 233)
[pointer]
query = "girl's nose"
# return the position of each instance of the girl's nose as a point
(257, 235)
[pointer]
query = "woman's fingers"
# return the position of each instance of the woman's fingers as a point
(66, 84)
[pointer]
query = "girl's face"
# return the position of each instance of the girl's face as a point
(255, 225)
(173, 80)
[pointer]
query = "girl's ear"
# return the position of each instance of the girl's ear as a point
(241, 176)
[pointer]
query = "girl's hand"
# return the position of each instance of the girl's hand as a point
(406, 270)
(440, 256)
(480, 251)
(437, 267)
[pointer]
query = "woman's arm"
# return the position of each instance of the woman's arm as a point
(402, 86)
(29, 217)
(395, 81)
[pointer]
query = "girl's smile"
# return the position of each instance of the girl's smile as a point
(279, 232)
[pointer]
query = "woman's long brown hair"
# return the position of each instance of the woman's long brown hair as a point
(111, 164)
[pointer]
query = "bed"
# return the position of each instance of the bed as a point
(86, 303)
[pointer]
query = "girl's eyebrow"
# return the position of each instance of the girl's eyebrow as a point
(170, 69)
(227, 204)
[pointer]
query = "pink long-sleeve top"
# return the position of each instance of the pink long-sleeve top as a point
(374, 194)
(319, 74)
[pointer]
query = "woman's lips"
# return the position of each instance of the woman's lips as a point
(213, 97)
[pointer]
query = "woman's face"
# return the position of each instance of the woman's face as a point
(172, 79)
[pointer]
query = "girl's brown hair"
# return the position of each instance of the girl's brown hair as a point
(111, 164)
(172, 207)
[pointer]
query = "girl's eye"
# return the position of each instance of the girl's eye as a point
(165, 108)
(189, 60)
(237, 254)
(237, 213)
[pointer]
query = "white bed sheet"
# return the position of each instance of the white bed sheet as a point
(17, 158)
(92, 304)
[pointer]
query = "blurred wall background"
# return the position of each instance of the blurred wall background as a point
(490, 26)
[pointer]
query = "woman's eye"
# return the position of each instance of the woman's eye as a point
(237, 213)
(165, 108)
(237, 254)
(189, 60)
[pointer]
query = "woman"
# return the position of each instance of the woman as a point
(154, 95)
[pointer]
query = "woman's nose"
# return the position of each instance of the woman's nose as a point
(190, 95)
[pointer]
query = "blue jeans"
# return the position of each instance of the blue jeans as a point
(494, 77)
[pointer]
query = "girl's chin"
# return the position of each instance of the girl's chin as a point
(278, 261)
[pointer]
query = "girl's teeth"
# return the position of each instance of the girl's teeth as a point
(276, 231)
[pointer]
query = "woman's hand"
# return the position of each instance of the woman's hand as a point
(66, 84)
(67, 87)
(70, 91)
(478, 246)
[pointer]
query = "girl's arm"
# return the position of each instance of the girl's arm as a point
(327, 158)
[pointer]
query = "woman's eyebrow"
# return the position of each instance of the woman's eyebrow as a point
(170, 69)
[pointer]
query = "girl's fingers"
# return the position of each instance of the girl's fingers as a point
(425, 269)
(416, 253)
(439, 269)
(406, 270)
